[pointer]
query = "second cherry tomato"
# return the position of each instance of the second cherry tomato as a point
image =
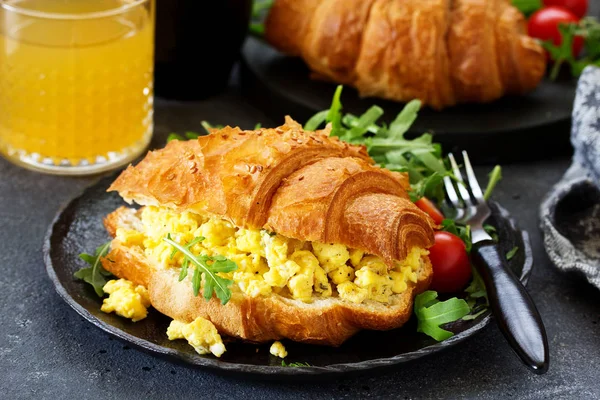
(543, 25)
(427, 205)
(577, 7)
(450, 262)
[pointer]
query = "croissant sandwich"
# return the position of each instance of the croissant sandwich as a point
(313, 241)
(443, 52)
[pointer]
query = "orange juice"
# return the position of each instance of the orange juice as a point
(75, 82)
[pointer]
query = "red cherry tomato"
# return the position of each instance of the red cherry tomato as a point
(451, 266)
(427, 206)
(543, 24)
(577, 7)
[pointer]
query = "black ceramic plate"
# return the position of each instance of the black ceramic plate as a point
(508, 129)
(78, 228)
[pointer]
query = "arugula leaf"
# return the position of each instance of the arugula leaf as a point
(404, 120)
(191, 135)
(351, 121)
(316, 120)
(495, 177)
(259, 9)
(477, 297)
(207, 267)
(295, 364)
(188, 136)
(511, 253)
(95, 275)
(334, 115)
(429, 187)
(174, 136)
(186, 262)
(462, 231)
(431, 313)
(260, 6)
(257, 28)
(362, 124)
(208, 126)
(527, 7)
(491, 230)
(589, 29)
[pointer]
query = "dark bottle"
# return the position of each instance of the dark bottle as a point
(197, 43)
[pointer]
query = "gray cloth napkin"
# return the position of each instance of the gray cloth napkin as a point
(570, 213)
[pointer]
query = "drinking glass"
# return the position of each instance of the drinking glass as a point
(76, 83)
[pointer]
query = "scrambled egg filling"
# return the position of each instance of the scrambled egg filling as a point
(272, 263)
(201, 334)
(278, 349)
(126, 299)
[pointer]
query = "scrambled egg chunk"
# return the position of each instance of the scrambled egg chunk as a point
(126, 299)
(271, 263)
(201, 334)
(278, 349)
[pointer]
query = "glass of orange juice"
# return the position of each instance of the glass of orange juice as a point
(76, 83)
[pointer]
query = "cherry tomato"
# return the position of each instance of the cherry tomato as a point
(543, 24)
(451, 266)
(427, 206)
(577, 7)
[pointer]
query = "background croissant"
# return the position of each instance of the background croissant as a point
(442, 52)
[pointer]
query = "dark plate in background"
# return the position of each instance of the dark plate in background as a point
(78, 228)
(512, 128)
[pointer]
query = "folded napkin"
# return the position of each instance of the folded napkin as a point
(570, 213)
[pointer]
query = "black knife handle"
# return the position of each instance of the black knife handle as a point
(513, 308)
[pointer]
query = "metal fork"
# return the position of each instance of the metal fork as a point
(513, 308)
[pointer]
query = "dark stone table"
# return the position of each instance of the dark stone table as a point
(48, 351)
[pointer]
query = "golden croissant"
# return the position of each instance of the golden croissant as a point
(325, 242)
(443, 52)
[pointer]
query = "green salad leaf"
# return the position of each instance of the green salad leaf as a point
(494, 177)
(511, 253)
(207, 267)
(587, 28)
(527, 7)
(432, 313)
(420, 157)
(462, 231)
(95, 274)
(477, 298)
(259, 10)
(295, 364)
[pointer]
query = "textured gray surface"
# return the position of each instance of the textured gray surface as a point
(48, 351)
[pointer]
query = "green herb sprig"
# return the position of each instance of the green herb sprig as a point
(186, 136)
(259, 11)
(420, 157)
(587, 28)
(189, 135)
(527, 7)
(477, 298)
(432, 313)
(295, 364)
(95, 274)
(207, 266)
(462, 231)
(512, 253)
